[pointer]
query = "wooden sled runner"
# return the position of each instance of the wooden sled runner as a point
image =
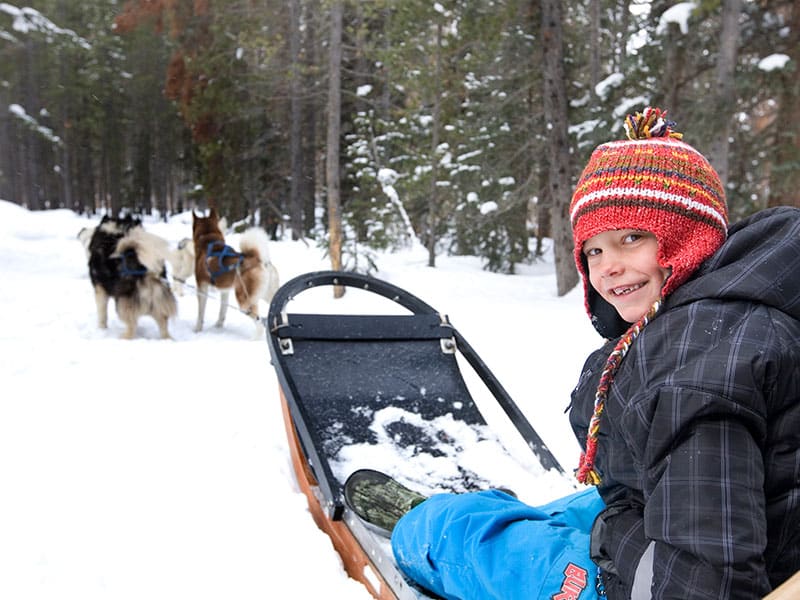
(788, 590)
(384, 391)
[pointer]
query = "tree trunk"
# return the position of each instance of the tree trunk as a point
(311, 112)
(64, 117)
(555, 110)
(544, 210)
(113, 157)
(31, 175)
(295, 140)
(6, 152)
(334, 126)
(621, 52)
(594, 48)
(784, 178)
(723, 107)
(433, 199)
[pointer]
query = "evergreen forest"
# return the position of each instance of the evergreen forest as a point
(364, 124)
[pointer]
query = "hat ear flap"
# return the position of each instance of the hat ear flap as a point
(605, 318)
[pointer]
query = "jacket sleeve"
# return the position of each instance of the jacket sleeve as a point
(704, 507)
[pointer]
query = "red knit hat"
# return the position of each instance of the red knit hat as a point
(653, 182)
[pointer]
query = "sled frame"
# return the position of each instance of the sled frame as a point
(324, 360)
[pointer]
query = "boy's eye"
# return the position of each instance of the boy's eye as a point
(632, 237)
(592, 251)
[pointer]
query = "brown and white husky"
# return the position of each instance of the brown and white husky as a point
(248, 272)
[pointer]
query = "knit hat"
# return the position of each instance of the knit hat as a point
(652, 182)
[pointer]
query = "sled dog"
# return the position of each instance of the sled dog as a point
(84, 237)
(248, 272)
(127, 263)
(182, 261)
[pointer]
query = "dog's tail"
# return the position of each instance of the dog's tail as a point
(255, 242)
(151, 250)
(182, 257)
(186, 244)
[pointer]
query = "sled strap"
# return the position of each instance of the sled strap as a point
(364, 328)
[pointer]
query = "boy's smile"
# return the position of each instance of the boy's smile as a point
(624, 270)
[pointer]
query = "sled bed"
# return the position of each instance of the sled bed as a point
(385, 391)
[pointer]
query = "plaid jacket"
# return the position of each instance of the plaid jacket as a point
(699, 446)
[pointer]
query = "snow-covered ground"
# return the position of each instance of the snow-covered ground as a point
(160, 469)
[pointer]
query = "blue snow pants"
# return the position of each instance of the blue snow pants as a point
(489, 545)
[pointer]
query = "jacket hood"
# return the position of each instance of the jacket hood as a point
(759, 262)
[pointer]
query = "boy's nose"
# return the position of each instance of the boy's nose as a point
(611, 265)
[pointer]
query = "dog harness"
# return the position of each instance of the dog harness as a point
(220, 251)
(125, 270)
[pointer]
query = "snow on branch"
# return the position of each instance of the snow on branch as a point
(28, 121)
(28, 20)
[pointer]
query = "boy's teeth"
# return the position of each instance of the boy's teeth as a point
(626, 290)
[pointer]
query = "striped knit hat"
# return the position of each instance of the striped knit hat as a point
(652, 182)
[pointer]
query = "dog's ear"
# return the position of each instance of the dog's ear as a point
(213, 214)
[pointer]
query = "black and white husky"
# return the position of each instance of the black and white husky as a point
(127, 263)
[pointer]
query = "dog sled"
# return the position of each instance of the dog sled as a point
(403, 393)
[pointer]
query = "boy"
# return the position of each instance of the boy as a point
(689, 416)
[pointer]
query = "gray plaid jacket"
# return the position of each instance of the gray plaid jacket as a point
(699, 447)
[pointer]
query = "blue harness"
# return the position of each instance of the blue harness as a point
(126, 271)
(222, 252)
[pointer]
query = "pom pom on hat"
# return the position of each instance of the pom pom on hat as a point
(655, 182)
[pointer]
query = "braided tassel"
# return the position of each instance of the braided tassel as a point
(651, 123)
(586, 473)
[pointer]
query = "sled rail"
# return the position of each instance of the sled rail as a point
(788, 590)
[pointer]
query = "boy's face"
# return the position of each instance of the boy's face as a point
(624, 270)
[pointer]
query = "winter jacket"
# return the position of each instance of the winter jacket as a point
(699, 444)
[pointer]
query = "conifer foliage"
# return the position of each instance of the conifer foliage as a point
(445, 130)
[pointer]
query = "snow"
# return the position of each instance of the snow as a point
(773, 62)
(604, 88)
(488, 207)
(160, 469)
(640, 7)
(679, 14)
(17, 111)
(27, 20)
